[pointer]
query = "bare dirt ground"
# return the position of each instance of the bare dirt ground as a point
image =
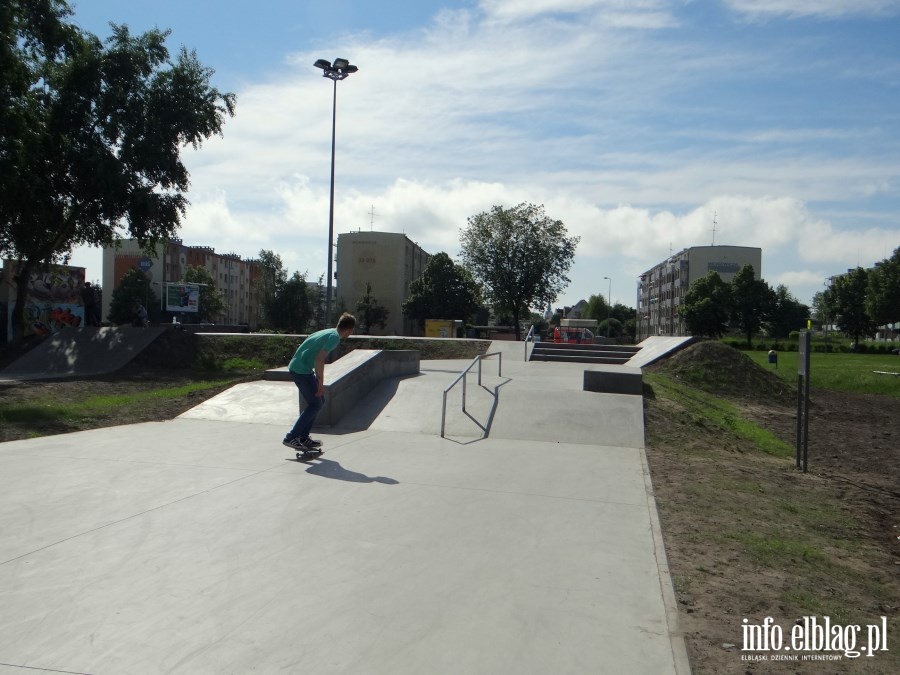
(748, 536)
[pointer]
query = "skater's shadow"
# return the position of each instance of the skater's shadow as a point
(327, 468)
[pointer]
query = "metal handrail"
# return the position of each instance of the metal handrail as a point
(528, 337)
(462, 376)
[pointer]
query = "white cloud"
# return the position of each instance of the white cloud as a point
(821, 8)
(798, 278)
(643, 14)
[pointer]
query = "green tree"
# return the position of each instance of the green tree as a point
(597, 308)
(272, 280)
(444, 291)
(850, 304)
(823, 311)
(291, 310)
(752, 302)
(612, 328)
(883, 294)
(787, 314)
(91, 135)
(627, 318)
(370, 313)
(519, 255)
(707, 306)
(212, 302)
(134, 287)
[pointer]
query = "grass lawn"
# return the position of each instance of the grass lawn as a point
(841, 372)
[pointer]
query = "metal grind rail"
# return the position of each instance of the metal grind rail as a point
(462, 376)
(529, 338)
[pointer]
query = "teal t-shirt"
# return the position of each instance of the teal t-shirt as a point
(304, 360)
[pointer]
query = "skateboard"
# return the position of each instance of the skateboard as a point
(307, 455)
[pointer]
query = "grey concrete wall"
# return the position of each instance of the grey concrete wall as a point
(614, 380)
(356, 374)
(350, 379)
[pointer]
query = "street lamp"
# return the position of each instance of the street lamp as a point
(339, 70)
(608, 306)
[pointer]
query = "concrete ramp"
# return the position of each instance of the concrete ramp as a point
(82, 352)
(657, 347)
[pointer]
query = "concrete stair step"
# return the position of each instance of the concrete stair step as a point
(571, 357)
(567, 346)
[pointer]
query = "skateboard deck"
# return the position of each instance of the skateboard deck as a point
(307, 455)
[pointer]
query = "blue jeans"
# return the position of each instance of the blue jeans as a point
(308, 386)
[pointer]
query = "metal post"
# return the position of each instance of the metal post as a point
(331, 210)
(466, 377)
(806, 427)
(444, 414)
(608, 306)
(799, 418)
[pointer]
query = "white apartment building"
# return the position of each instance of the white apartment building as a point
(662, 288)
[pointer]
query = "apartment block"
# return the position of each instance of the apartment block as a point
(662, 288)
(236, 279)
(389, 262)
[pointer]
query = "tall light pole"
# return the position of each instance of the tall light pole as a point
(339, 70)
(608, 306)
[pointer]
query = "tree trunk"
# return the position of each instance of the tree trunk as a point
(20, 276)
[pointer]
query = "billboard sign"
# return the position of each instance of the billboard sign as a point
(182, 297)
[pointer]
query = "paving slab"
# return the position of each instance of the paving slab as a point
(202, 546)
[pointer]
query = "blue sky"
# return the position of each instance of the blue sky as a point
(635, 122)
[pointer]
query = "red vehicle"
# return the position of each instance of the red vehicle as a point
(570, 334)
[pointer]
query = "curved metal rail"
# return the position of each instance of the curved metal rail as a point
(462, 376)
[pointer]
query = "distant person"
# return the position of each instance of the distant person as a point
(141, 319)
(307, 369)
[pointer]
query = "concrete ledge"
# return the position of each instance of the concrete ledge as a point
(614, 380)
(349, 379)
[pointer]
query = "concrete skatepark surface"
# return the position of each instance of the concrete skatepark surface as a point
(526, 541)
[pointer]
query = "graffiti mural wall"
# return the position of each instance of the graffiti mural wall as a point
(54, 300)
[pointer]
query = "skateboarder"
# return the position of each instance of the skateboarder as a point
(307, 369)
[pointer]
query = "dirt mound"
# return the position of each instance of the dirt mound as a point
(720, 369)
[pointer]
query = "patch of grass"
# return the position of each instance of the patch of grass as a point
(242, 364)
(752, 487)
(812, 603)
(774, 552)
(32, 414)
(707, 410)
(841, 372)
(37, 413)
(821, 517)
